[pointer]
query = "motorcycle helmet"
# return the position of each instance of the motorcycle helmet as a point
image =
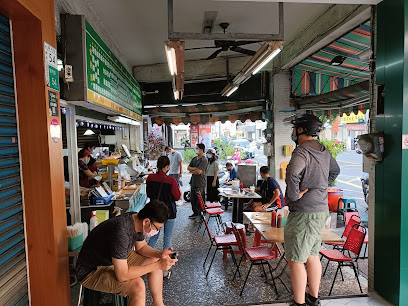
(310, 123)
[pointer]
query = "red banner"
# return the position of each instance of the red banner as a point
(358, 127)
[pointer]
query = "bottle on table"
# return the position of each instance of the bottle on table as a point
(273, 219)
(94, 221)
(241, 187)
(279, 222)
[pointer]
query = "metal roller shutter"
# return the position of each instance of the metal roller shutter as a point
(13, 271)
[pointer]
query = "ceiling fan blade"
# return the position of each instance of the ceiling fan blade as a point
(214, 55)
(243, 51)
(246, 42)
(199, 48)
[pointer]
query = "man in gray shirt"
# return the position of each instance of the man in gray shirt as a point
(197, 168)
(308, 174)
(176, 164)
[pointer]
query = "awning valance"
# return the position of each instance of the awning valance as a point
(252, 110)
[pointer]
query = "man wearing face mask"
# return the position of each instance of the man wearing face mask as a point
(310, 170)
(233, 173)
(107, 262)
(164, 188)
(197, 168)
(85, 175)
(92, 162)
(176, 164)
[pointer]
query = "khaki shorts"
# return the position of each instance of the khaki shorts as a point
(104, 278)
(303, 235)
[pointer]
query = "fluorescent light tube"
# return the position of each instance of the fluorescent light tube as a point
(231, 91)
(267, 60)
(170, 60)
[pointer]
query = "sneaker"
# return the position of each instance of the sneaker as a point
(193, 216)
(293, 303)
(166, 274)
(308, 299)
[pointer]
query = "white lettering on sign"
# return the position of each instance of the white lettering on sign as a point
(50, 55)
(405, 141)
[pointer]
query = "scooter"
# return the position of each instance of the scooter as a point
(221, 178)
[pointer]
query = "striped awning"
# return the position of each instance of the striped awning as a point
(315, 78)
(348, 110)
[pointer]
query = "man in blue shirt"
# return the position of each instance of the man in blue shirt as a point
(233, 173)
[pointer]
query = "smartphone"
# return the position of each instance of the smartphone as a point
(173, 255)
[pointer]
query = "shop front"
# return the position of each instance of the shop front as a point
(103, 117)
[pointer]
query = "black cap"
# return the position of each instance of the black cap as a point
(310, 123)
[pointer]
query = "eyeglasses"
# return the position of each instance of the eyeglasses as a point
(151, 222)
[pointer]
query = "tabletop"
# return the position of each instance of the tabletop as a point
(262, 223)
(229, 193)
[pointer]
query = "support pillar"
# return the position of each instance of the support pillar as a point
(391, 179)
(281, 134)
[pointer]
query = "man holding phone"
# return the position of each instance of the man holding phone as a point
(107, 262)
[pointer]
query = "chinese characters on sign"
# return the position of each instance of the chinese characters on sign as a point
(353, 118)
(53, 103)
(109, 83)
(51, 69)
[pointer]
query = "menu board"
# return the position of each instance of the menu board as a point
(108, 82)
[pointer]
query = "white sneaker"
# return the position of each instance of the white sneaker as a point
(180, 203)
(166, 274)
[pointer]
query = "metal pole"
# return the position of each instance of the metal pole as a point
(75, 206)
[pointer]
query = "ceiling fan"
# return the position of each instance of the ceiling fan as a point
(227, 45)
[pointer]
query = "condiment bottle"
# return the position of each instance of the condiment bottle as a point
(273, 219)
(279, 222)
(241, 186)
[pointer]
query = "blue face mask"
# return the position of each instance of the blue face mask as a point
(93, 151)
(196, 151)
(209, 156)
(294, 139)
(87, 162)
(262, 179)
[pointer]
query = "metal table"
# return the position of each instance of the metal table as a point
(238, 198)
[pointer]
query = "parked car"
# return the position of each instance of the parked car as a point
(245, 146)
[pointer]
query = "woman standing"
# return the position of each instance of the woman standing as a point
(212, 176)
(165, 188)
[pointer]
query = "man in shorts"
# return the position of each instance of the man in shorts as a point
(308, 174)
(108, 263)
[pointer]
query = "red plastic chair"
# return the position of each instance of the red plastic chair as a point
(257, 256)
(221, 242)
(212, 204)
(212, 213)
(351, 219)
(353, 244)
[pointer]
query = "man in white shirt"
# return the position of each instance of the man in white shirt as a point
(176, 164)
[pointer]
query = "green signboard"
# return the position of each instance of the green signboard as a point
(108, 82)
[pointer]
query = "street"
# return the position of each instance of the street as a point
(349, 179)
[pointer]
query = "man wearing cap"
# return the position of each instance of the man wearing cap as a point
(308, 175)
(85, 175)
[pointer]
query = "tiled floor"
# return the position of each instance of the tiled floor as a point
(372, 300)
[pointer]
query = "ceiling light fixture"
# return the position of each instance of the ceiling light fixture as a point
(264, 55)
(231, 91)
(124, 120)
(267, 60)
(175, 59)
(89, 132)
(337, 60)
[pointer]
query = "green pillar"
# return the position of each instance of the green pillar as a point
(391, 185)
